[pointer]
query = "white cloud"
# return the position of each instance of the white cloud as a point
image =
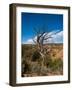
(29, 41)
(56, 38)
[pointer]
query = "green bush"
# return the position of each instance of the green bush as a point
(56, 65)
(53, 65)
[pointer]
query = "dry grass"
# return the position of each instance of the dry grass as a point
(31, 61)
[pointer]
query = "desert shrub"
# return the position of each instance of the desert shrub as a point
(36, 55)
(38, 69)
(53, 65)
(48, 61)
(25, 66)
(43, 71)
(56, 65)
(35, 68)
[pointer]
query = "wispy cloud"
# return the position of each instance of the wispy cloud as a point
(56, 38)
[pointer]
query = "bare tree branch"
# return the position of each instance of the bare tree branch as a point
(47, 38)
(34, 41)
(54, 33)
(42, 36)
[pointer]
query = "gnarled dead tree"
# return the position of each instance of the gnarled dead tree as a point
(42, 37)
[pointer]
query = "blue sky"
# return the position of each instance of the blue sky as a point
(53, 22)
